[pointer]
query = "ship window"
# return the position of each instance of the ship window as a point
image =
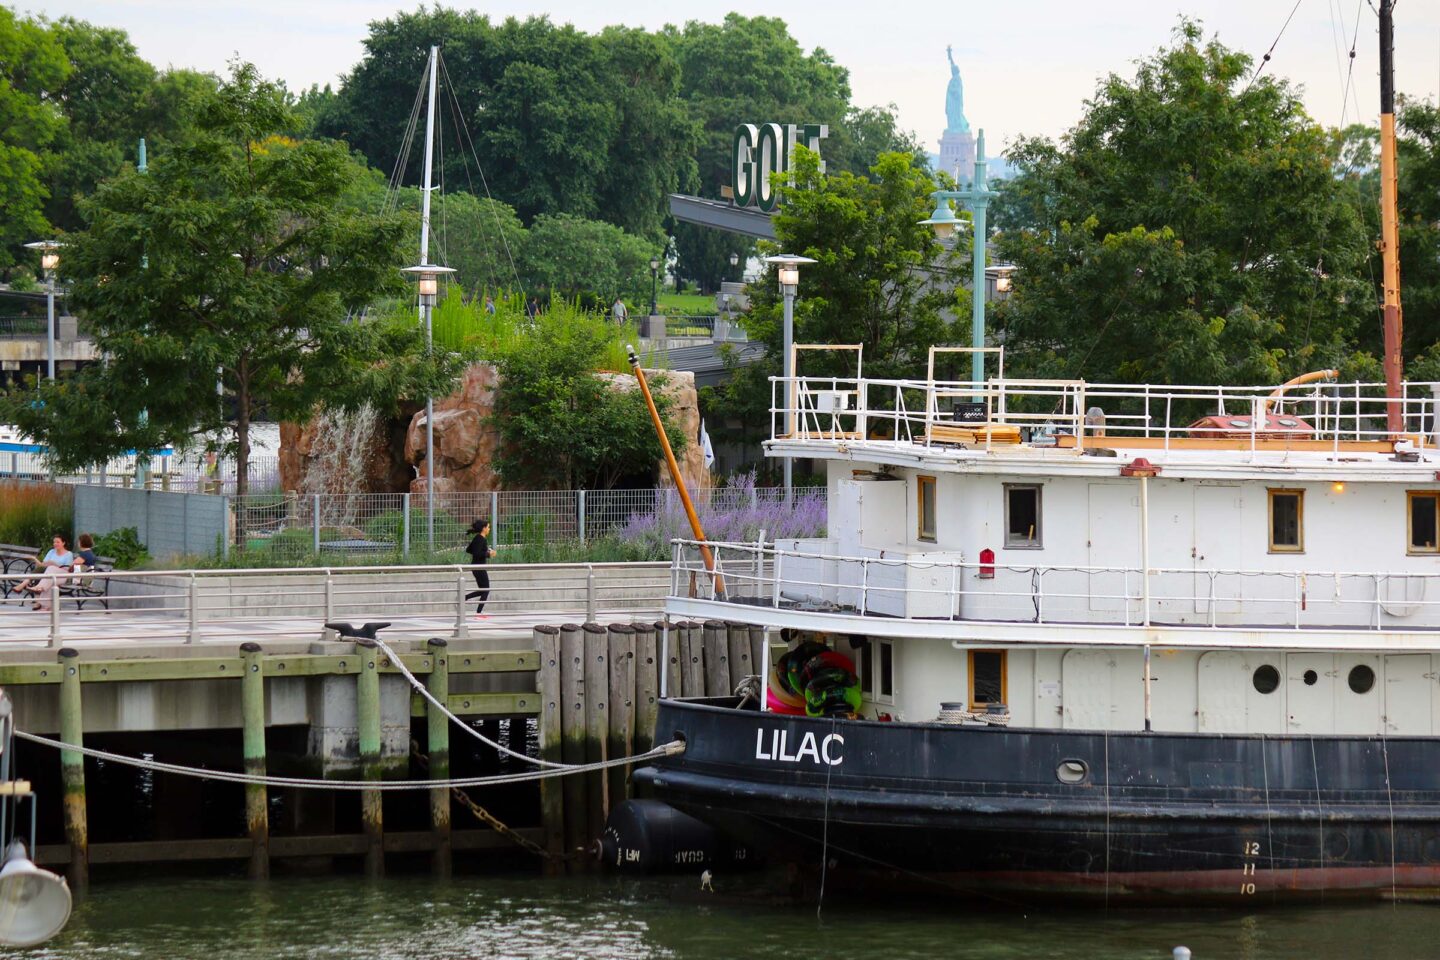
(925, 490)
(1287, 521)
(1362, 678)
(1266, 679)
(885, 651)
(1022, 516)
(875, 668)
(1424, 521)
(987, 677)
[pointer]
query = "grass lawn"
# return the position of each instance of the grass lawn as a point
(687, 304)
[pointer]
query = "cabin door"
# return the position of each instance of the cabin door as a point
(1114, 542)
(1310, 692)
(1409, 694)
(1217, 547)
(1240, 692)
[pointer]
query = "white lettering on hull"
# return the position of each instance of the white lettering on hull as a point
(816, 751)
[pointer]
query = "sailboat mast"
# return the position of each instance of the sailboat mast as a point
(429, 161)
(1389, 221)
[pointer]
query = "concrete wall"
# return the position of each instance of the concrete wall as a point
(168, 524)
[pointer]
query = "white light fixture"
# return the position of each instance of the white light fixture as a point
(34, 903)
(427, 274)
(789, 276)
(50, 261)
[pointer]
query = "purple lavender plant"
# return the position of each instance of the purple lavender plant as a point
(735, 512)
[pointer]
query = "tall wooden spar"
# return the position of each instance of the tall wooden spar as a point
(675, 472)
(1389, 221)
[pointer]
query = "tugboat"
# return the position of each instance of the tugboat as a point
(1165, 643)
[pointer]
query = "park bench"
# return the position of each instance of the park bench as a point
(90, 584)
(14, 559)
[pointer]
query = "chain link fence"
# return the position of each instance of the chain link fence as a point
(294, 525)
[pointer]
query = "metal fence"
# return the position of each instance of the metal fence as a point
(292, 525)
(169, 472)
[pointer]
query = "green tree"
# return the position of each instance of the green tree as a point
(1190, 228)
(745, 70)
(1418, 147)
(567, 122)
(561, 425)
(33, 69)
(234, 257)
(575, 257)
(881, 280)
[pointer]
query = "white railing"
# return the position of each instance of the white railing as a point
(283, 603)
(954, 589)
(906, 411)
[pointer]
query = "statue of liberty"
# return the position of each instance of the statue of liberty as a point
(955, 100)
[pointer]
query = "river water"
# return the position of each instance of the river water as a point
(413, 918)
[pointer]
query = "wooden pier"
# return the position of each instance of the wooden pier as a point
(340, 709)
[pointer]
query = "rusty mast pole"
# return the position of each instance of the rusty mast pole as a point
(1390, 226)
(675, 471)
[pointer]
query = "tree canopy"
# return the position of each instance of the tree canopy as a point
(1190, 229)
(234, 260)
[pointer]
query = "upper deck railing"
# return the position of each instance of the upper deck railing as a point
(1004, 411)
(939, 586)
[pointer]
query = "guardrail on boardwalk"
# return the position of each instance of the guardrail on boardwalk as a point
(288, 603)
(932, 586)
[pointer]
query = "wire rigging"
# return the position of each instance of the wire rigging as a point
(1271, 52)
(483, 181)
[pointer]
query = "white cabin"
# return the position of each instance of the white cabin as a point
(1270, 550)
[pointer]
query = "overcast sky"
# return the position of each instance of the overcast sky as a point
(1027, 64)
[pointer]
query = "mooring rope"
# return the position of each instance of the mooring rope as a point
(430, 698)
(670, 749)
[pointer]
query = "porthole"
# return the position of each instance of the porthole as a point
(1266, 679)
(1240, 424)
(1311, 677)
(1362, 678)
(1072, 771)
(1287, 422)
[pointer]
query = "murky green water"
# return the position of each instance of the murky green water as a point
(522, 916)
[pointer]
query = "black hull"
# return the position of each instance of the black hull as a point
(982, 810)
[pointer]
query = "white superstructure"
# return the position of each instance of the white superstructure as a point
(1271, 551)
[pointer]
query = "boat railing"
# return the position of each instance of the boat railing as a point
(996, 411)
(939, 586)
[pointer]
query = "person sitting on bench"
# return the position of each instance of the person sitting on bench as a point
(59, 558)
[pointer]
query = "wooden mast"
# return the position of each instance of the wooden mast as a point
(675, 472)
(1389, 220)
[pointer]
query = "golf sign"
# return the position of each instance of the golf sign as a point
(760, 150)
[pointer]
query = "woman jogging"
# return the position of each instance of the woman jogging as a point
(480, 551)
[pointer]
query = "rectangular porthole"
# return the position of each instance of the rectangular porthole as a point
(886, 653)
(925, 508)
(1287, 521)
(1022, 516)
(1423, 521)
(987, 677)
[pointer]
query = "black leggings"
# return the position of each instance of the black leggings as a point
(482, 580)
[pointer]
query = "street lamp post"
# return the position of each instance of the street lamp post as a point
(787, 270)
(734, 259)
(944, 222)
(428, 275)
(49, 261)
(654, 273)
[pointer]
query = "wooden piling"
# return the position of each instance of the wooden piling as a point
(668, 636)
(647, 685)
(717, 659)
(597, 724)
(252, 720)
(692, 659)
(737, 642)
(620, 738)
(367, 702)
(575, 789)
(72, 770)
(548, 727)
(758, 665)
(437, 731)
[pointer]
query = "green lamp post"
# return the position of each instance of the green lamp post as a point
(944, 222)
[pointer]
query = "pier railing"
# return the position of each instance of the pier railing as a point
(928, 412)
(285, 603)
(942, 586)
